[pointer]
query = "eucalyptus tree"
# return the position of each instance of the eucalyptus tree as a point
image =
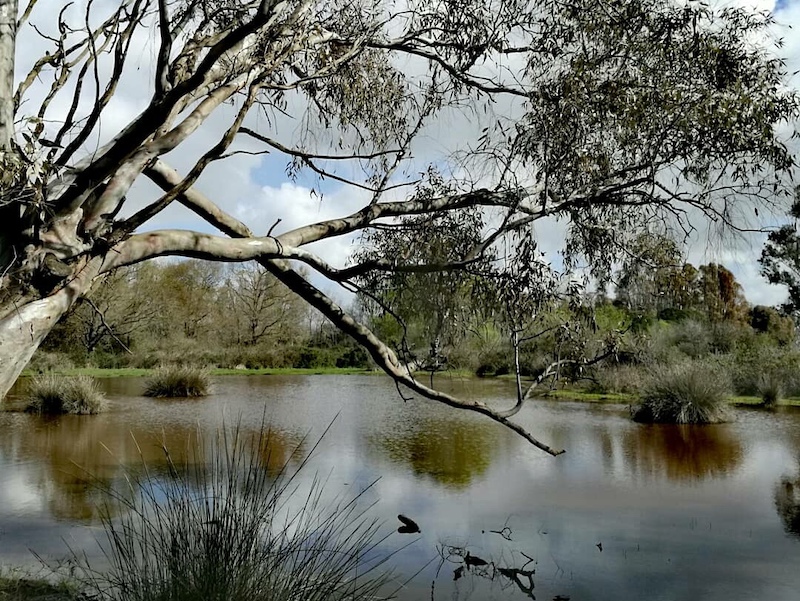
(435, 304)
(604, 114)
(780, 261)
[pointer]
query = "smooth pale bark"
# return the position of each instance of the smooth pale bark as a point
(8, 34)
(22, 332)
(24, 328)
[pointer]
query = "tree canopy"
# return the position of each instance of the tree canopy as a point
(604, 115)
(780, 261)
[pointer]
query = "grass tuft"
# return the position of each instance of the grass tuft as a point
(178, 381)
(228, 528)
(687, 393)
(52, 394)
(17, 585)
(770, 388)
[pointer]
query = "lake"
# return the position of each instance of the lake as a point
(630, 511)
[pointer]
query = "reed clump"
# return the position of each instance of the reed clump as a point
(53, 395)
(770, 388)
(220, 526)
(178, 381)
(686, 393)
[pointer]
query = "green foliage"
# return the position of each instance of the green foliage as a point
(691, 338)
(780, 261)
(52, 394)
(178, 381)
(353, 357)
(227, 525)
(624, 379)
(687, 393)
(44, 362)
(650, 276)
(494, 364)
(431, 306)
(314, 357)
(751, 364)
(767, 320)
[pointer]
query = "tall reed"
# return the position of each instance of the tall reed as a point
(221, 526)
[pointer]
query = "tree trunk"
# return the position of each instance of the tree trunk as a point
(22, 331)
(8, 35)
(23, 328)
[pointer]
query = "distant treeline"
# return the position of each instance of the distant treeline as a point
(660, 312)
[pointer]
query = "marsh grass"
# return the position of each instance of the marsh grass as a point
(770, 388)
(686, 393)
(178, 381)
(20, 586)
(52, 394)
(221, 526)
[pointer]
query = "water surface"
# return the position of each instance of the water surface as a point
(679, 512)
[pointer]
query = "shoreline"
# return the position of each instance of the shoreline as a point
(575, 395)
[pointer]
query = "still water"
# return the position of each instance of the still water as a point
(629, 512)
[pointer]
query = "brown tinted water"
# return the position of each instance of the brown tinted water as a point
(680, 512)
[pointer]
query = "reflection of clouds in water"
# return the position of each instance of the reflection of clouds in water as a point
(619, 483)
(18, 494)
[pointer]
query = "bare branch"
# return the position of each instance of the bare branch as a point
(165, 49)
(106, 326)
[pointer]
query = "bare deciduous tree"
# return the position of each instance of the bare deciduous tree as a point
(259, 304)
(603, 114)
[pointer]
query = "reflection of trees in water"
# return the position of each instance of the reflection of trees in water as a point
(787, 503)
(451, 452)
(73, 459)
(682, 452)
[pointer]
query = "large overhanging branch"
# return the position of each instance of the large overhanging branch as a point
(384, 356)
(266, 250)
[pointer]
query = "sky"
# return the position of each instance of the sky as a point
(258, 191)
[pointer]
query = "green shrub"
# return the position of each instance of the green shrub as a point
(52, 394)
(494, 363)
(730, 336)
(309, 357)
(178, 381)
(45, 361)
(686, 393)
(692, 338)
(626, 379)
(103, 359)
(751, 364)
(353, 357)
(227, 528)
